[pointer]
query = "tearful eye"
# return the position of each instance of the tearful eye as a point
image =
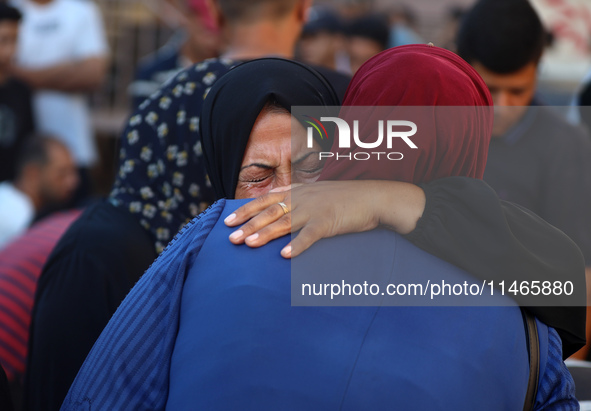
(253, 177)
(310, 164)
(310, 171)
(258, 180)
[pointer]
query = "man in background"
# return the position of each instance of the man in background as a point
(536, 158)
(198, 40)
(322, 42)
(62, 54)
(366, 36)
(46, 175)
(16, 115)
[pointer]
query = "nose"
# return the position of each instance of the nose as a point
(501, 98)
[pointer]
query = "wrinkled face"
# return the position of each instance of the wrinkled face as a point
(59, 177)
(8, 38)
(360, 50)
(268, 162)
(511, 94)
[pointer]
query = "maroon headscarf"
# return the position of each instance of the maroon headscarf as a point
(452, 141)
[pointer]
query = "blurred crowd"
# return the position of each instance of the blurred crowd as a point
(54, 54)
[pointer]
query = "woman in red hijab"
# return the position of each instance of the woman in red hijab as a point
(453, 214)
(418, 80)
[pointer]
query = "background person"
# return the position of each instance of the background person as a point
(63, 55)
(322, 42)
(536, 158)
(199, 40)
(583, 100)
(21, 262)
(46, 175)
(366, 36)
(16, 115)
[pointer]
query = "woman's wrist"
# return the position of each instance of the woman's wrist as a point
(398, 205)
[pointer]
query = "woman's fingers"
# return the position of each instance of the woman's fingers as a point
(257, 206)
(284, 225)
(286, 252)
(310, 233)
(270, 232)
(268, 217)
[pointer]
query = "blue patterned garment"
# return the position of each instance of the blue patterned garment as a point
(162, 179)
(253, 353)
(128, 366)
(556, 389)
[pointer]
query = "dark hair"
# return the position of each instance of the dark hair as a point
(374, 27)
(9, 13)
(322, 19)
(35, 151)
(253, 10)
(503, 35)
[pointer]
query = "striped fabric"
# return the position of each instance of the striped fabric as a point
(556, 389)
(20, 267)
(128, 366)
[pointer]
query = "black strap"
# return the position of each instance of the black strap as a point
(533, 348)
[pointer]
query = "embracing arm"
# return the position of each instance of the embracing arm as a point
(466, 224)
(458, 219)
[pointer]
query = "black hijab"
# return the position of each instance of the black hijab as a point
(236, 100)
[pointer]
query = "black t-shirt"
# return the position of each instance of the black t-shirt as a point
(90, 271)
(16, 124)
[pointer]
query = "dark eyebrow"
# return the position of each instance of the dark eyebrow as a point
(305, 157)
(263, 166)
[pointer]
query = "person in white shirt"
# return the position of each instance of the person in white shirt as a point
(62, 54)
(46, 175)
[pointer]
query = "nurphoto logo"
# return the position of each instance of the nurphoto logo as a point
(388, 130)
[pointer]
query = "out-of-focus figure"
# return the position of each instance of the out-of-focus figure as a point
(350, 9)
(198, 40)
(46, 175)
(63, 55)
(583, 100)
(366, 37)
(322, 42)
(449, 32)
(20, 268)
(403, 27)
(536, 158)
(16, 115)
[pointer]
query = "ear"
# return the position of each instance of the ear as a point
(303, 10)
(217, 13)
